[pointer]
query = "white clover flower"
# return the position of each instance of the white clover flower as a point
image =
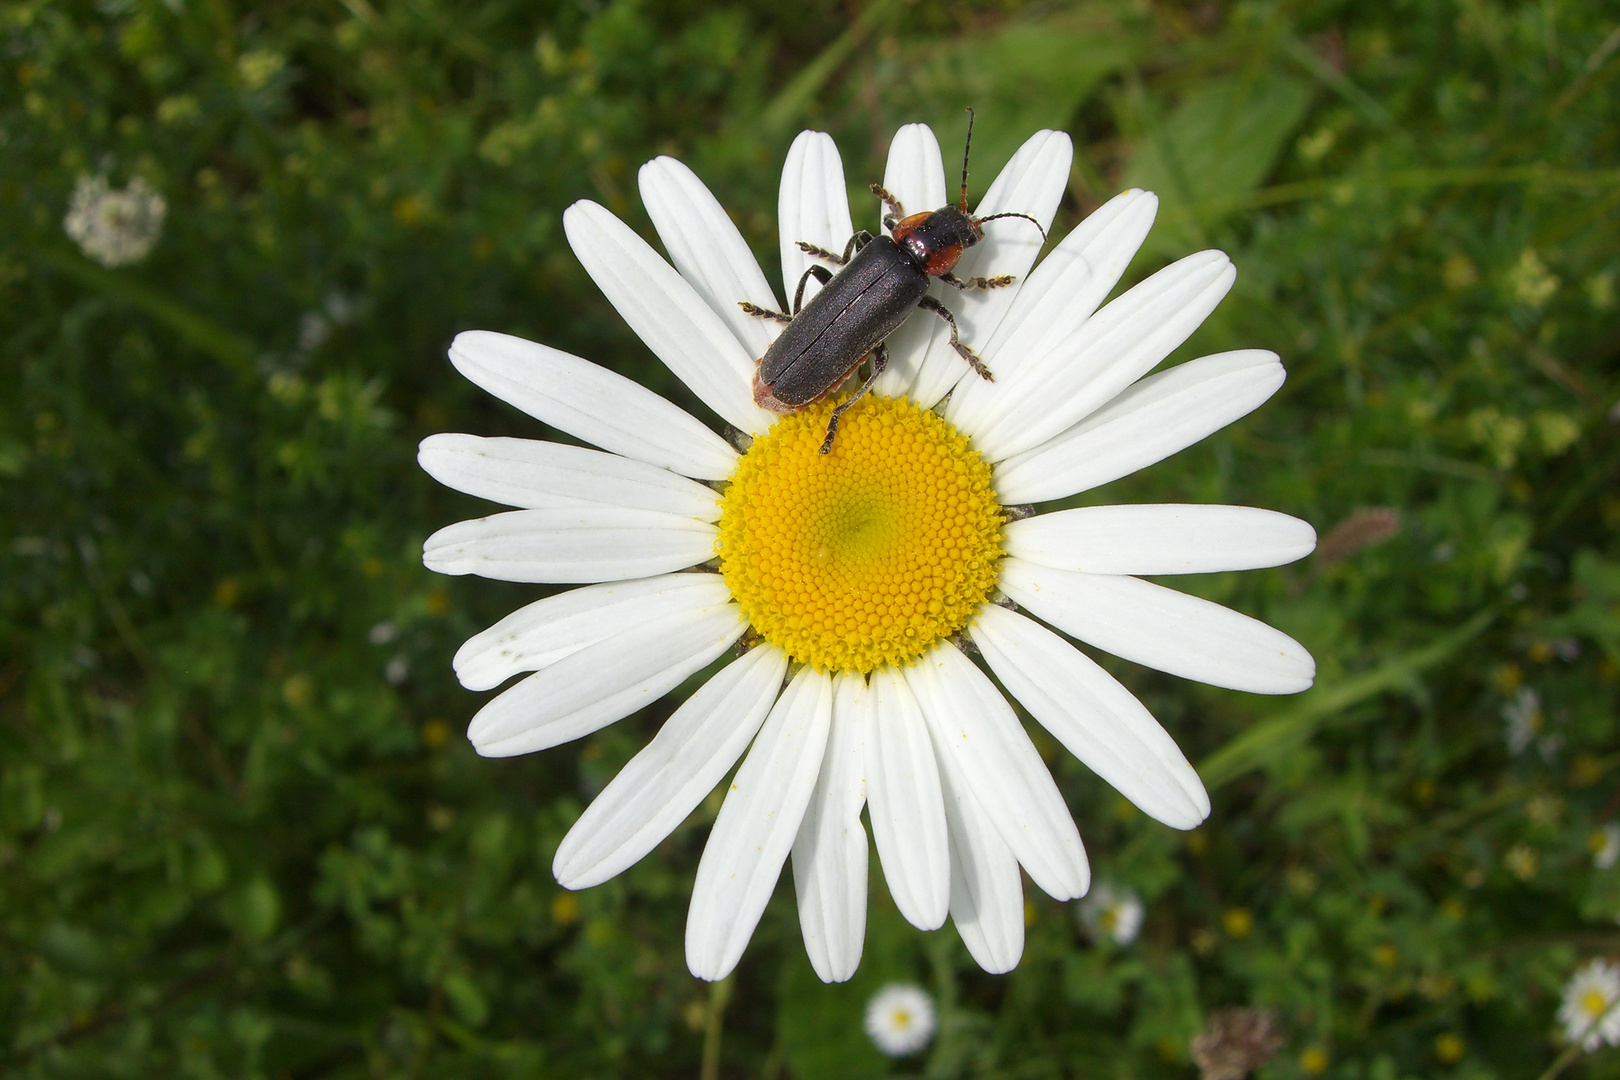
(1588, 1012)
(856, 569)
(1524, 720)
(900, 1019)
(397, 670)
(1112, 911)
(114, 227)
(1606, 846)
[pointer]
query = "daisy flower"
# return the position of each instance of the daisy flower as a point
(1114, 912)
(859, 577)
(1523, 720)
(1605, 845)
(1589, 1012)
(113, 226)
(900, 1019)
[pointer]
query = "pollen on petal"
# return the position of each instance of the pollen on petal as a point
(867, 555)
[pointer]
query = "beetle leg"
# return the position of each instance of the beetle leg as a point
(821, 274)
(823, 254)
(896, 211)
(763, 313)
(880, 360)
(962, 350)
(856, 242)
(978, 282)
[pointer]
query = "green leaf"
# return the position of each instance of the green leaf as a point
(1214, 148)
(1596, 612)
(254, 909)
(1018, 80)
(73, 949)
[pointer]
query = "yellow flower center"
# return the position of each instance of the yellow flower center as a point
(867, 555)
(1594, 1003)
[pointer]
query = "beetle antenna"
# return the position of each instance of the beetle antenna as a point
(1026, 217)
(965, 148)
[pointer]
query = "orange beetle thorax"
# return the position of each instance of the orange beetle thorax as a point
(937, 238)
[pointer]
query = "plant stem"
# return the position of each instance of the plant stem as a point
(1573, 1050)
(719, 994)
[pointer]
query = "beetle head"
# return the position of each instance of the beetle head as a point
(937, 238)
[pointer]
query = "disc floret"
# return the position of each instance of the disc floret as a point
(870, 554)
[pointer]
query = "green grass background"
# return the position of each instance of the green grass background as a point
(231, 847)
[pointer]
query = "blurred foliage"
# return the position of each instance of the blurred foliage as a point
(239, 835)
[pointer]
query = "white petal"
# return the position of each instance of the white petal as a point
(533, 474)
(591, 403)
(1166, 538)
(756, 827)
(969, 719)
(830, 854)
(666, 313)
(1162, 628)
(708, 250)
(1032, 183)
(916, 176)
(1091, 714)
(537, 635)
(567, 545)
(987, 894)
(604, 682)
(813, 206)
(908, 813)
(691, 753)
(1112, 349)
(1059, 296)
(1150, 421)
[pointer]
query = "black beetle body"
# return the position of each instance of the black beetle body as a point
(865, 303)
(882, 280)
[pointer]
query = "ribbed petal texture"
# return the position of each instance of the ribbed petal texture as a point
(1162, 628)
(1112, 349)
(1055, 301)
(970, 720)
(591, 403)
(538, 635)
(570, 546)
(1170, 538)
(536, 475)
(667, 314)
(1150, 421)
(604, 682)
(756, 826)
(812, 206)
(1092, 715)
(660, 786)
(708, 250)
(908, 813)
(830, 853)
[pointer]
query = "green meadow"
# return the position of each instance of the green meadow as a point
(242, 832)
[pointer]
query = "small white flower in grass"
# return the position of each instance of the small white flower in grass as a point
(855, 569)
(1605, 846)
(1589, 1012)
(115, 227)
(900, 1019)
(1112, 911)
(1524, 720)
